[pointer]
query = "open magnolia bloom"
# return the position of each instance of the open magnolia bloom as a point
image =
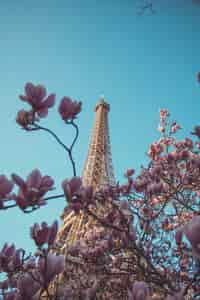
(35, 95)
(32, 191)
(69, 109)
(191, 231)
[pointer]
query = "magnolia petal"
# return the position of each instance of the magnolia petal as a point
(6, 187)
(27, 286)
(23, 98)
(47, 182)
(29, 89)
(178, 236)
(34, 179)
(54, 265)
(50, 101)
(40, 92)
(52, 233)
(18, 181)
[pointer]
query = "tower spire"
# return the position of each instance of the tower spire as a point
(98, 168)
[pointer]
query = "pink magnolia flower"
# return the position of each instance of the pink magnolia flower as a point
(178, 236)
(44, 233)
(69, 109)
(198, 145)
(191, 230)
(164, 113)
(68, 293)
(10, 258)
(174, 127)
(6, 255)
(177, 296)
(5, 186)
(161, 129)
(154, 201)
(50, 266)
(166, 141)
(171, 157)
(188, 143)
(139, 291)
(86, 195)
(4, 284)
(155, 188)
(27, 286)
(40, 234)
(32, 191)
(71, 187)
(35, 95)
(89, 293)
(196, 131)
(79, 197)
(155, 150)
(10, 296)
(25, 118)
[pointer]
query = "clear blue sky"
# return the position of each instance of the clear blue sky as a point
(84, 49)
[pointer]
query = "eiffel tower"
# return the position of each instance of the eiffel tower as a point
(97, 172)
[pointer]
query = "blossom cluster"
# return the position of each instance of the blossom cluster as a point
(40, 103)
(28, 277)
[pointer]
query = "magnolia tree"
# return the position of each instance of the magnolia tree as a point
(144, 243)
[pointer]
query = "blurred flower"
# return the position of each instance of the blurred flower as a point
(188, 143)
(10, 258)
(164, 113)
(25, 118)
(50, 266)
(161, 129)
(71, 187)
(155, 201)
(78, 196)
(69, 109)
(35, 95)
(4, 284)
(196, 131)
(198, 145)
(191, 230)
(155, 150)
(10, 296)
(178, 236)
(6, 187)
(89, 293)
(177, 296)
(33, 189)
(44, 233)
(139, 291)
(174, 127)
(27, 287)
(155, 188)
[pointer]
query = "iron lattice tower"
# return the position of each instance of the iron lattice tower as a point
(97, 171)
